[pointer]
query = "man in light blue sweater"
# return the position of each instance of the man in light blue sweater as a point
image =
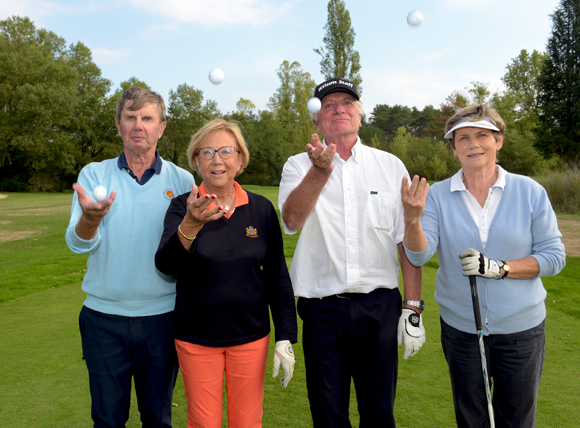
(126, 320)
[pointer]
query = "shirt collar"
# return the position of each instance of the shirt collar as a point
(356, 150)
(241, 196)
(457, 184)
(157, 164)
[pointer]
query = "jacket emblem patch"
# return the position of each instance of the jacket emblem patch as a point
(251, 232)
(169, 193)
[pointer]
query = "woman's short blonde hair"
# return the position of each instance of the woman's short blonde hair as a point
(218, 125)
(475, 113)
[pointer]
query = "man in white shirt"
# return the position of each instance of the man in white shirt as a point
(346, 197)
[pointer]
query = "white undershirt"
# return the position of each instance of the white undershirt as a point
(481, 216)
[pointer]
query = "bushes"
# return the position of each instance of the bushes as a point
(425, 157)
(563, 189)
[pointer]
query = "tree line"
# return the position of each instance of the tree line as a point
(57, 111)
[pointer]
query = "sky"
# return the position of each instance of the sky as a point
(166, 43)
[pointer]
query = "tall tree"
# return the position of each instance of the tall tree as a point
(186, 114)
(245, 107)
(479, 92)
(521, 78)
(48, 93)
(289, 106)
(559, 99)
(339, 59)
(518, 107)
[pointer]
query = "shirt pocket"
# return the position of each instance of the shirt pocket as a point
(380, 211)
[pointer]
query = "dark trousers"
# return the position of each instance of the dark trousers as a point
(356, 338)
(514, 363)
(117, 348)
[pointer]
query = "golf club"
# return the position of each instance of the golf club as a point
(475, 300)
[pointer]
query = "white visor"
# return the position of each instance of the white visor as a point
(485, 123)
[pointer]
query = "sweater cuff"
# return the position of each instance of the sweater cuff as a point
(417, 258)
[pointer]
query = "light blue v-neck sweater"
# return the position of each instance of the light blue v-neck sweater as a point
(121, 277)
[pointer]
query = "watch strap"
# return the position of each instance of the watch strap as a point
(416, 303)
(504, 265)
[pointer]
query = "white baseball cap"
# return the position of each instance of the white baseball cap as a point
(485, 123)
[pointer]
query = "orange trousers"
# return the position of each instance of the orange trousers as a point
(203, 368)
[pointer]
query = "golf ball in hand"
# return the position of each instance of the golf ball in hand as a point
(216, 76)
(313, 105)
(415, 18)
(100, 193)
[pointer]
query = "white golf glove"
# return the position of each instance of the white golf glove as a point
(475, 263)
(412, 331)
(284, 355)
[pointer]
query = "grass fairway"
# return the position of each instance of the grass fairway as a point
(44, 381)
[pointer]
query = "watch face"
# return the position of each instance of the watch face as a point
(506, 268)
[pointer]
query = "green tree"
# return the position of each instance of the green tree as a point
(186, 114)
(266, 143)
(245, 107)
(424, 156)
(131, 82)
(559, 99)
(92, 129)
(289, 106)
(479, 92)
(418, 123)
(339, 59)
(521, 78)
(517, 106)
(48, 95)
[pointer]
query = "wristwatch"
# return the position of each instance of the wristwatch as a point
(416, 303)
(505, 266)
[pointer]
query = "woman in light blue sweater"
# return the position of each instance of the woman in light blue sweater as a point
(501, 227)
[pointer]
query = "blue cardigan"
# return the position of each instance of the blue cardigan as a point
(525, 225)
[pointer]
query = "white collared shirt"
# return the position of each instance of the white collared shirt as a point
(481, 216)
(349, 241)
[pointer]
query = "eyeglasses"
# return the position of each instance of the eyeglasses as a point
(225, 152)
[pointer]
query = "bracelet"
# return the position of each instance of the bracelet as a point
(184, 235)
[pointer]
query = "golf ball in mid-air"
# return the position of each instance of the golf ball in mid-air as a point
(313, 105)
(414, 18)
(100, 193)
(216, 76)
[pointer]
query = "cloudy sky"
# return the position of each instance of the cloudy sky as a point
(169, 42)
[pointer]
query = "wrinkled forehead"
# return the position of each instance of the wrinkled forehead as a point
(150, 108)
(338, 96)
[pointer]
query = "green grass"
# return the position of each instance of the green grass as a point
(563, 189)
(44, 381)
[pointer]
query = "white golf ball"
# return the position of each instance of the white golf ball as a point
(100, 193)
(414, 18)
(313, 105)
(216, 76)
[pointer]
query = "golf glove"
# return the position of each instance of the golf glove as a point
(411, 331)
(284, 355)
(475, 263)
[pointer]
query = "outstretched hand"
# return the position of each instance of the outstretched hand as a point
(197, 209)
(93, 212)
(320, 156)
(413, 198)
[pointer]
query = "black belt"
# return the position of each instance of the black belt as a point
(350, 295)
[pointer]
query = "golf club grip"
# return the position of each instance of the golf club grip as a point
(475, 300)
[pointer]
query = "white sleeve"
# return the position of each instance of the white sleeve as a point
(292, 176)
